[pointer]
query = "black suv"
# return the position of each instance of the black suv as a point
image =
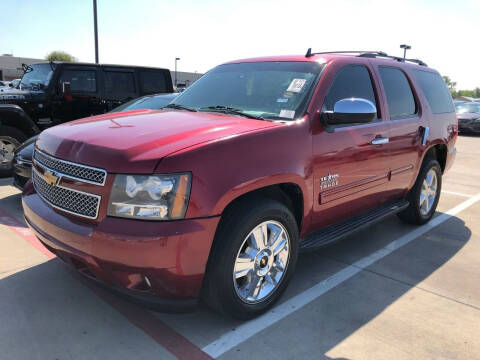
(56, 92)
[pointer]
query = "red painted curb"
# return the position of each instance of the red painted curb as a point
(21, 229)
(164, 335)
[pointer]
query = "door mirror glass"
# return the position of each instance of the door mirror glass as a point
(350, 111)
(66, 89)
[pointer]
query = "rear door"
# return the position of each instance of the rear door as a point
(119, 86)
(350, 173)
(407, 128)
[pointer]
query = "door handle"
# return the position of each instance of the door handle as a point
(380, 141)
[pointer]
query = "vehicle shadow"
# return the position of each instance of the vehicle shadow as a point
(53, 315)
(14, 205)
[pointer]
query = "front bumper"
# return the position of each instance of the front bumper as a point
(22, 172)
(160, 264)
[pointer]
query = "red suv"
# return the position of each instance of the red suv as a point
(215, 195)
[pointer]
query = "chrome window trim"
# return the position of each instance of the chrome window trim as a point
(73, 164)
(69, 189)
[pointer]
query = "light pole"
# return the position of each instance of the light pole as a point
(95, 30)
(176, 59)
(405, 48)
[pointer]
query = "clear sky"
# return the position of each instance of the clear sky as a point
(203, 33)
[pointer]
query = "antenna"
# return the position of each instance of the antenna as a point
(309, 52)
(405, 48)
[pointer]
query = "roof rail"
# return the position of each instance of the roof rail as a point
(385, 55)
(310, 53)
(367, 53)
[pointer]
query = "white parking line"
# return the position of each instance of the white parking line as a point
(456, 193)
(234, 337)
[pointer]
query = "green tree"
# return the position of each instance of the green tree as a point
(451, 85)
(477, 92)
(60, 56)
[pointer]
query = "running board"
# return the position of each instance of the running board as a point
(340, 230)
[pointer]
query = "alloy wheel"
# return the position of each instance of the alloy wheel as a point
(7, 150)
(261, 262)
(428, 192)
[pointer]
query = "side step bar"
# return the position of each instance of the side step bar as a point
(340, 230)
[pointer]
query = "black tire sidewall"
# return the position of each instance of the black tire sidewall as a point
(225, 256)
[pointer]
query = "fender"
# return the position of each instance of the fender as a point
(14, 116)
(260, 183)
(228, 168)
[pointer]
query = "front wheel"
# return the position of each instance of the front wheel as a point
(10, 139)
(253, 259)
(424, 195)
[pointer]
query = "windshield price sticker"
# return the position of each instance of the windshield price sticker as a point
(297, 85)
(289, 114)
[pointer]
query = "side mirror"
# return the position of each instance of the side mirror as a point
(350, 111)
(10, 84)
(66, 90)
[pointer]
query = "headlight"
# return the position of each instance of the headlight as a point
(150, 197)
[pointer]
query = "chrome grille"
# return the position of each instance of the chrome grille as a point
(69, 200)
(72, 170)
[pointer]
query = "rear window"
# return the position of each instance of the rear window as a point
(436, 92)
(152, 82)
(401, 103)
(119, 84)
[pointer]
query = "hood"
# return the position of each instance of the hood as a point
(14, 94)
(134, 141)
(18, 96)
(25, 151)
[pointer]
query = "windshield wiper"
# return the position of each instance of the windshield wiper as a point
(230, 110)
(178, 107)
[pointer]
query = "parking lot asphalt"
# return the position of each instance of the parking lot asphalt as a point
(391, 291)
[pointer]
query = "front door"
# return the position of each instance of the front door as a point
(84, 97)
(350, 172)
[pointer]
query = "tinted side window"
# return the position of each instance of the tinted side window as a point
(401, 103)
(80, 80)
(351, 81)
(435, 91)
(152, 81)
(119, 84)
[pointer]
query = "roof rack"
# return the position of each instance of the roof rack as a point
(367, 53)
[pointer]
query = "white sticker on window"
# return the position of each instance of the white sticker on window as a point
(296, 85)
(289, 114)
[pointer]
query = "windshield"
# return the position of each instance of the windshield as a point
(468, 108)
(270, 90)
(154, 102)
(37, 76)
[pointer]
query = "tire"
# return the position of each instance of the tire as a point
(419, 211)
(10, 139)
(228, 293)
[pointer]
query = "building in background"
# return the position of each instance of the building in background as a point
(11, 68)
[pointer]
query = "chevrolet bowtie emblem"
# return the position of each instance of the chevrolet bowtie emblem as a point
(51, 178)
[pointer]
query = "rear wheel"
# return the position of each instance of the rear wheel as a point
(10, 139)
(425, 194)
(253, 259)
